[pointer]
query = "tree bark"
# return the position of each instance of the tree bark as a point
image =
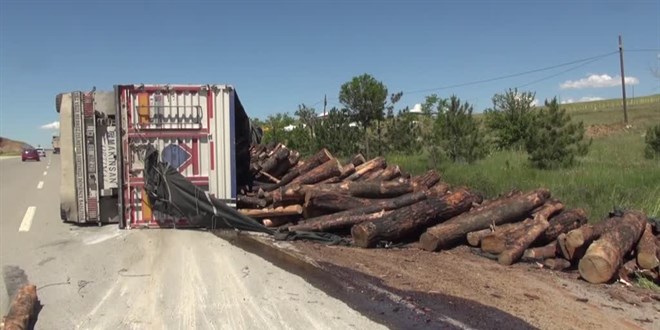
(339, 222)
(605, 255)
(427, 180)
(358, 160)
(646, 249)
(279, 221)
(307, 165)
(563, 223)
(22, 309)
(273, 212)
(371, 189)
(376, 163)
(452, 232)
(557, 264)
(524, 239)
(574, 244)
(541, 253)
(475, 238)
(250, 202)
(499, 240)
(389, 173)
(278, 157)
(381, 205)
(285, 166)
(319, 202)
(409, 221)
(327, 170)
(371, 175)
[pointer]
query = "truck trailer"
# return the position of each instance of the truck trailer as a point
(202, 131)
(56, 144)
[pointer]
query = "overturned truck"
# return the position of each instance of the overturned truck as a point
(200, 131)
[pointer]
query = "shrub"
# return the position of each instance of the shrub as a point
(652, 149)
(554, 141)
(510, 118)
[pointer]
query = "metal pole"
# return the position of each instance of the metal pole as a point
(623, 81)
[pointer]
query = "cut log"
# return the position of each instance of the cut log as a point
(22, 309)
(372, 175)
(250, 202)
(318, 159)
(382, 205)
(574, 244)
(428, 179)
(523, 239)
(627, 270)
(376, 163)
(278, 157)
(269, 177)
(323, 202)
(358, 160)
(287, 164)
(563, 223)
(646, 249)
(450, 233)
(373, 189)
(273, 212)
(557, 264)
(327, 170)
(279, 221)
(410, 221)
(604, 256)
(475, 238)
(541, 253)
(391, 172)
(339, 222)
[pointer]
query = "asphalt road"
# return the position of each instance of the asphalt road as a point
(106, 278)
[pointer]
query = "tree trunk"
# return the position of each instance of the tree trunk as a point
(605, 255)
(273, 212)
(452, 232)
(409, 221)
(279, 221)
(358, 160)
(307, 165)
(371, 175)
(524, 239)
(426, 180)
(376, 163)
(327, 170)
(391, 172)
(320, 202)
(346, 170)
(541, 253)
(557, 264)
(295, 194)
(278, 157)
(22, 309)
(287, 164)
(563, 223)
(574, 244)
(475, 238)
(250, 202)
(339, 222)
(646, 249)
(381, 205)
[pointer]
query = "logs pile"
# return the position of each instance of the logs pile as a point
(378, 205)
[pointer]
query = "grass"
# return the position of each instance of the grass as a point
(10, 153)
(613, 174)
(647, 284)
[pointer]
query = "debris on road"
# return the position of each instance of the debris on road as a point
(379, 205)
(23, 309)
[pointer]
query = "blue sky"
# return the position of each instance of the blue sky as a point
(279, 54)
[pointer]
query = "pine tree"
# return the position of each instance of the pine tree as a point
(652, 139)
(510, 118)
(554, 141)
(458, 132)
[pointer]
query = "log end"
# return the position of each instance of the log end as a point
(362, 235)
(430, 242)
(506, 258)
(647, 261)
(596, 269)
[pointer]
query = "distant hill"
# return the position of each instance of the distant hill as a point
(9, 146)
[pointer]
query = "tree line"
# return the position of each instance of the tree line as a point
(446, 129)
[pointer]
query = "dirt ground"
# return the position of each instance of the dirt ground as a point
(545, 299)
(602, 130)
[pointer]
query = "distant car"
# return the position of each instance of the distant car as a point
(42, 152)
(30, 154)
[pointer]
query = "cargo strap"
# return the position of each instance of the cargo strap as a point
(171, 193)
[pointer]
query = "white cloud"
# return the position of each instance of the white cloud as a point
(536, 103)
(597, 81)
(53, 125)
(582, 99)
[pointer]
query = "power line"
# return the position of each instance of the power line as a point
(559, 74)
(511, 75)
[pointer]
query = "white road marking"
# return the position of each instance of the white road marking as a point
(27, 219)
(40, 185)
(45, 172)
(47, 166)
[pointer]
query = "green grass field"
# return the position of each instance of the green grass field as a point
(613, 174)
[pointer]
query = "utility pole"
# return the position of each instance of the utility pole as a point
(623, 82)
(325, 103)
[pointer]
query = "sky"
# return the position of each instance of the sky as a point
(280, 54)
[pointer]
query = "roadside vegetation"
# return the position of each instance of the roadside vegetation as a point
(582, 152)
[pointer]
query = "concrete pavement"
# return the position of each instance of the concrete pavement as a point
(104, 278)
